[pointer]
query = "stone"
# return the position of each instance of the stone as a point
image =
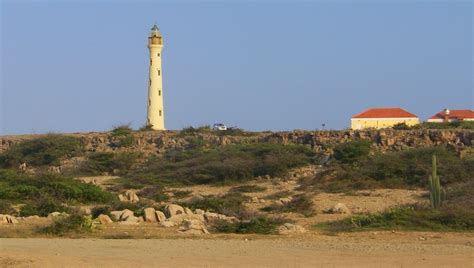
(150, 215)
(199, 212)
(57, 214)
(338, 208)
(104, 219)
(212, 217)
(168, 224)
(7, 219)
(132, 219)
(172, 210)
(126, 213)
(255, 199)
(289, 228)
(116, 214)
(132, 196)
(122, 198)
(188, 211)
(193, 227)
(160, 216)
(34, 217)
(286, 200)
(178, 219)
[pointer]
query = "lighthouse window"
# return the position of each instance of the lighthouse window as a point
(158, 54)
(159, 92)
(160, 112)
(159, 72)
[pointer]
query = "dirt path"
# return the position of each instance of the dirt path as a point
(350, 250)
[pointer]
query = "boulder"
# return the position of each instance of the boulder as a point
(126, 213)
(188, 211)
(338, 208)
(57, 214)
(199, 212)
(286, 200)
(160, 216)
(7, 219)
(193, 227)
(172, 210)
(104, 219)
(132, 196)
(168, 224)
(150, 215)
(122, 198)
(212, 217)
(131, 220)
(289, 228)
(116, 214)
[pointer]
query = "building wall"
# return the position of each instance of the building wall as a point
(378, 123)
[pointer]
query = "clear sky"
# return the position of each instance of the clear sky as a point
(261, 65)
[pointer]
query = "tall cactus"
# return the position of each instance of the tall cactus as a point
(437, 193)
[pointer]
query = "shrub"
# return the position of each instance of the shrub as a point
(6, 207)
(44, 187)
(182, 194)
(47, 150)
(352, 151)
(73, 223)
(230, 204)
(96, 211)
(232, 163)
(122, 130)
(401, 126)
(100, 163)
(257, 225)
(301, 204)
(250, 188)
(42, 207)
(278, 195)
(154, 192)
(445, 125)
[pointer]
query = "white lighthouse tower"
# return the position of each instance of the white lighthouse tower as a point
(156, 114)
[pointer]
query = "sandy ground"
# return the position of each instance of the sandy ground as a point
(347, 250)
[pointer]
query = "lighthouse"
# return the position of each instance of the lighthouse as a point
(156, 114)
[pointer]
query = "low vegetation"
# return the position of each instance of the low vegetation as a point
(76, 223)
(47, 193)
(122, 136)
(248, 188)
(301, 204)
(109, 163)
(226, 164)
(47, 150)
(257, 225)
(231, 204)
(403, 169)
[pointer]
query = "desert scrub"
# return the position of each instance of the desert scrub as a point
(257, 225)
(249, 188)
(405, 218)
(301, 204)
(405, 169)
(230, 204)
(42, 206)
(180, 194)
(76, 223)
(226, 164)
(278, 195)
(42, 151)
(6, 207)
(352, 151)
(108, 163)
(44, 193)
(123, 136)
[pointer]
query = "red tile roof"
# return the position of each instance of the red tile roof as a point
(455, 114)
(385, 113)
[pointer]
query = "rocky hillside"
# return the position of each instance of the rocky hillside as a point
(155, 142)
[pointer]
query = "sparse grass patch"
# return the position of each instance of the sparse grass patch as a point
(109, 163)
(301, 204)
(248, 188)
(230, 204)
(257, 225)
(227, 164)
(76, 223)
(180, 194)
(42, 151)
(278, 195)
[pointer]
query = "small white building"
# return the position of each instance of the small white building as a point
(448, 115)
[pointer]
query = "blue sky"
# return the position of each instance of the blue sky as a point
(261, 65)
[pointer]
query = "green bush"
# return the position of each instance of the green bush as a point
(249, 188)
(96, 211)
(406, 218)
(352, 151)
(21, 187)
(301, 204)
(257, 225)
(74, 223)
(6, 207)
(154, 192)
(404, 169)
(42, 207)
(100, 163)
(227, 164)
(122, 130)
(46, 150)
(230, 204)
(401, 126)
(182, 194)
(445, 125)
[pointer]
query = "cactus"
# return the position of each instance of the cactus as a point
(437, 193)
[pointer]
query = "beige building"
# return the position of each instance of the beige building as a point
(378, 118)
(156, 114)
